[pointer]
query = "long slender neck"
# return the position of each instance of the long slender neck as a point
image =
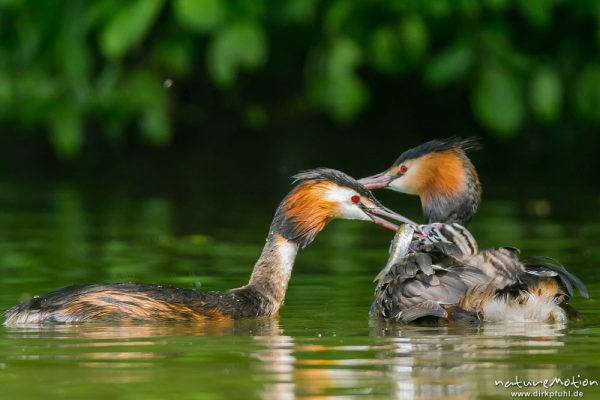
(449, 209)
(298, 219)
(273, 269)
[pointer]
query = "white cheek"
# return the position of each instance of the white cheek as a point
(351, 211)
(406, 182)
(346, 209)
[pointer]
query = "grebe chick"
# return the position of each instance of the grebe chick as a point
(319, 196)
(491, 284)
(447, 277)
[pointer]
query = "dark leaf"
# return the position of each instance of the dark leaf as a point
(128, 27)
(498, 100)
(546, 94)
(200, 15)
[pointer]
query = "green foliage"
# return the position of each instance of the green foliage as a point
(335, 85)
(498, 100)
(587, 92)
(236, 46)
(546, 94)
(450, 65)
(128, 27)
(199, 15)
(66, 67)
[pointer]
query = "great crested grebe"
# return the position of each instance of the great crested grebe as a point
(319, 196)
(441, 174)
(443, 274)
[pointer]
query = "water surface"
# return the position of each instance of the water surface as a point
(321, 346)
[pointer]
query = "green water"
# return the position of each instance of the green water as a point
(321, 346)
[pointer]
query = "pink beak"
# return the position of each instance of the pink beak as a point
(379, 181)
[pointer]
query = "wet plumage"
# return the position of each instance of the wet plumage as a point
(445, 275)
(137, 302)
(319, 196)
(431, 277)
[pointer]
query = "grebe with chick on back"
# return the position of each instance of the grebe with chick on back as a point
(319, 196)
(442, 273)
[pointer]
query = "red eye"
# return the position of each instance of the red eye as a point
(355, 199)
(403, 169)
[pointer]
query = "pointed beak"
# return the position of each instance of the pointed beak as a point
(375, 213)
(379, 181)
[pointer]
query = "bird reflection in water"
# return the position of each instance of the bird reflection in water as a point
(396, 361)
(245, 327)
(460, 362)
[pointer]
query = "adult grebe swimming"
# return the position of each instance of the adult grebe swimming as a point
(446, 275)
(319, 196)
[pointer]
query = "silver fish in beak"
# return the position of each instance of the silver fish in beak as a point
(398, 249)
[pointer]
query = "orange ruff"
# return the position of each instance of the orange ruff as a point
(306, 207)
(445, 174)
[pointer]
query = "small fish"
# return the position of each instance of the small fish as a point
(398, 248)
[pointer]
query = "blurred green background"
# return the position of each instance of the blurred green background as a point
(151, 141)
(81, 81)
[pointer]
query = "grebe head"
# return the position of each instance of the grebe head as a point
(441, 174)
(321, 195)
